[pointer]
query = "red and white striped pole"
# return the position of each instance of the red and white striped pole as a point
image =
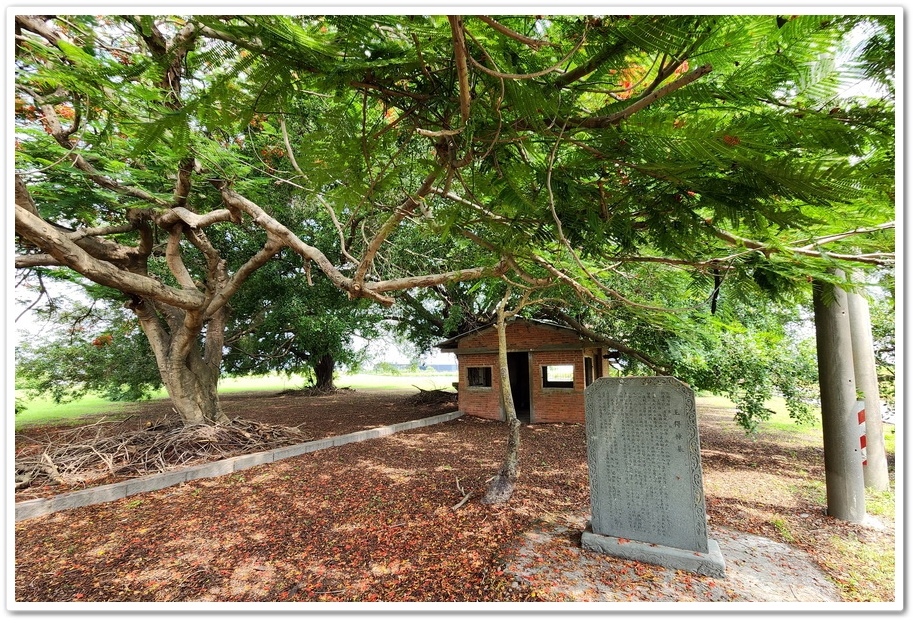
(860, 412)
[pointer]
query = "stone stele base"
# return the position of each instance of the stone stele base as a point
(711, 564)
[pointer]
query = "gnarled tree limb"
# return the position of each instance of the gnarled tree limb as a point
(58, 245)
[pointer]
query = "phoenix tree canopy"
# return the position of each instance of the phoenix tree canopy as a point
(602, 156)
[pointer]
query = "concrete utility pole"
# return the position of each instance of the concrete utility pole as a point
(863, 357)
(842, 452)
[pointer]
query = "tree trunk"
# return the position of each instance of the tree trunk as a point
(324, 373)
(194, 395)
(863, 357)
(503, 484)
(842, 453)
(190, 376)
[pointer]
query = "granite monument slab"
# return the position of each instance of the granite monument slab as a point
(645, 474)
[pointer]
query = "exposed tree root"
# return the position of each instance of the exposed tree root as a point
(80, 458)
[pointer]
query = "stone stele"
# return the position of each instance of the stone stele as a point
(645, 476)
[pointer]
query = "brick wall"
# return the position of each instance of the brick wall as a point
(557, 404)
(521, 336)
(548, 404)
(479, 401)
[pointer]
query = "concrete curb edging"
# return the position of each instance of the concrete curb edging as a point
(154, 482)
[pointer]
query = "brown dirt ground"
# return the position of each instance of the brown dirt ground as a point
(376, 520)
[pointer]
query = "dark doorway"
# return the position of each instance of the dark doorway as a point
(520, 384)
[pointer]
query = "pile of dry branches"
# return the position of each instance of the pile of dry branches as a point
(88, 453)
(312, 391)
(432, 397)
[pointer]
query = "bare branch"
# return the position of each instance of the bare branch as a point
(592, 335)
(192, 219)
(289, 147)
(270, 248)
(35, 260)
(591, 65)
(467, 274)
(340, 230)
(400, 213)
(42, 293)
(597, 123)
(215, 264)
(37, 25)
(438, 133)
(183, 183)
(282, 233)
(102, 231)
(531, 43)
(173, 259)
(58, 245)
(461, 65)
(877, 259)
(855, 232)
(537, 74)
(24, 197)
(87, 239)
(616, 118)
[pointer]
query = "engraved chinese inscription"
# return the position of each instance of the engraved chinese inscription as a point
(644, 467)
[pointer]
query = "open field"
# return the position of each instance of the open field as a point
(42, 410)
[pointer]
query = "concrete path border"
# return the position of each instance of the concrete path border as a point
(154, 482)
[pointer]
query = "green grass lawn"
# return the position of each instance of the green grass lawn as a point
(43, 410)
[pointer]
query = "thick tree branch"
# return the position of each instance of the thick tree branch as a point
(237, 202)
(38, 25)
(612, 120)
(36, 260)
(399, 214)
(232, 285)
(173, 259)
(461, 66)
(68, 252)
(423, 281)
(87, 239)
(102, 231)
(24, 197)
(192, 219)
(183, 183)
(534, 44)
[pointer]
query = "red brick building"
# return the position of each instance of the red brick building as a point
(549, 368)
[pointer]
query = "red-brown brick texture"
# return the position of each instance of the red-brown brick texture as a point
(546, 345)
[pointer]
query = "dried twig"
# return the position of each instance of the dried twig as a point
(157, 448)
(467, 496)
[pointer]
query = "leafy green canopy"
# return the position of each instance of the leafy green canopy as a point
(600, 160)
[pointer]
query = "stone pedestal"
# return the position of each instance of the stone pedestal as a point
(645, 475)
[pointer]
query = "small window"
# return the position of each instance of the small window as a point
(480, 376)
(557, 376)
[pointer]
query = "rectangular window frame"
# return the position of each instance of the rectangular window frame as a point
(553, 383)
(479, 377)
